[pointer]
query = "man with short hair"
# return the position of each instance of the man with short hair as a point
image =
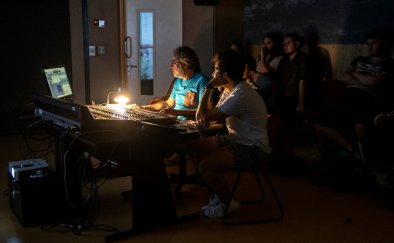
(288, 93)
(246, 120)
(188, 87)
(368, 78)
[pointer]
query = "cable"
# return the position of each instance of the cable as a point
(91, 205)
(14, 115)
(65, 164)
(31, 151)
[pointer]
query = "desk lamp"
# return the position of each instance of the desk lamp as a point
(121, 99)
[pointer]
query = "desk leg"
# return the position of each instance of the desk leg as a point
(153, 203)
(74, 189)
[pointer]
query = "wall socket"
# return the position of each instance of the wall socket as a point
(92, 50)
(101, 50)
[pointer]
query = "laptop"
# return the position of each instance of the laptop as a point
(57, 82)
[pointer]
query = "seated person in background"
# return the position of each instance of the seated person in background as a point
(250, 69)
(238, 47)
(384, 119)
(164, 98)
(187, 91)
(367, 79)
(246, 119)
(270, 55)
(261, 85)
(288, 92)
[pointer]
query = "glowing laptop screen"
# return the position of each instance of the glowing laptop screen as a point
(57, 82)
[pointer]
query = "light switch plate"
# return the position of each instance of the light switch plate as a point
(101, 23)
(101, 50)
(92, 50)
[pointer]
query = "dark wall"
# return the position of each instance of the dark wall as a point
(198, 32)
(334, 21)
(33, 34)
(211, 29)
(228, 23)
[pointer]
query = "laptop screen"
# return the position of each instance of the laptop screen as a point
(57, 82)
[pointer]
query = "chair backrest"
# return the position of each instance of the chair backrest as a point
(331, 90)
(273, 131)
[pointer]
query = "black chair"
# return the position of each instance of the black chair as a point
(274, 124)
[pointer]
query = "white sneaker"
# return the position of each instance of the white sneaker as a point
(213, 201)
(218, 211)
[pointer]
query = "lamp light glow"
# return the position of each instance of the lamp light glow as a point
(121, 90)
(122, 100)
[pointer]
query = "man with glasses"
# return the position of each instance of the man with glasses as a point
(188, 87)
(288, 92)
(187, 91)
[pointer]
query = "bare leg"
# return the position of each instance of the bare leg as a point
(335, 135)
(175, 158)
(211, 161)
(198, 147)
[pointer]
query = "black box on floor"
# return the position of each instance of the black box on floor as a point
(39, 201)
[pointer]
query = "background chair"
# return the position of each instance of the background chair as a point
(329, 91)
(273, 124)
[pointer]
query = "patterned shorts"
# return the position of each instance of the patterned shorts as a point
(243, 155)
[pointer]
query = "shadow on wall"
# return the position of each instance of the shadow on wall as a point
(320, 57)
(203, 46)
(321, 66)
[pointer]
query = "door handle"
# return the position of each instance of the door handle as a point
(125, 46)
(129, 66)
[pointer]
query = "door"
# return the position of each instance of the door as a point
(153, 30)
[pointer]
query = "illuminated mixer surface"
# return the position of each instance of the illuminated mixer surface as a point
(126, 112)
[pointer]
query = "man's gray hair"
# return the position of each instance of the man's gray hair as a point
(187, 54)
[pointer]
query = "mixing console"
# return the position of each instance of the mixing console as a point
(87, 118)
(129, 112)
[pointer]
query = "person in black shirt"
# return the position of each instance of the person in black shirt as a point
(368, 79)
(288, 92)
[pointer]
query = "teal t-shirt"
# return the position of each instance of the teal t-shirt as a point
(188, 93)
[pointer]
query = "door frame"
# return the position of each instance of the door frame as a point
(122, 43)
(139, 50)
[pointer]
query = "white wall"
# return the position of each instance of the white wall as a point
(168, 35)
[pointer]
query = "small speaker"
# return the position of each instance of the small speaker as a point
(206, 2)
(39, 200)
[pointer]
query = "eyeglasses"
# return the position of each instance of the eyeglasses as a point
(287, 43)
(174, 62)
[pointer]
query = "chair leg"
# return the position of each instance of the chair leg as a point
(276, 198)
(361, 152)
(254, 221)
(231, 197)
(261, 189)
(182, 175)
